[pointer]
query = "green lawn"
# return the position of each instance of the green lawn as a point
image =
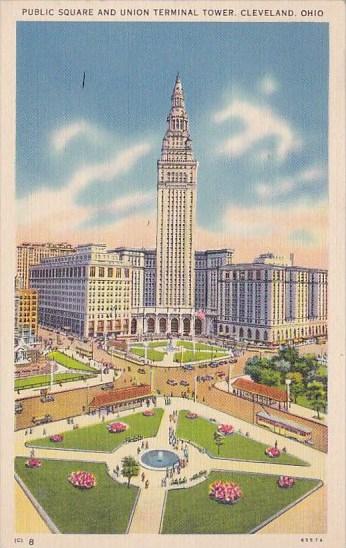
(236, 446)
(198, 356)
(200, 346)
(98, 438)
(70, 363)
(154, 355)
(191, 511)
(104, 509)
(44, 380)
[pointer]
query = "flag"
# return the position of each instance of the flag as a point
(200, 314)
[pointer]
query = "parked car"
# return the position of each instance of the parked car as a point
(47, 398)
(214, 364)
(141, 370)
(184, 383)
(187, 367)
(18, 407)
(107, 386)
(221, 374)
(42, 420)
(172, 382)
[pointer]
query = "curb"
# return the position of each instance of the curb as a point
(283, 510)
(48, 521)
(163, 512)
(133, 511)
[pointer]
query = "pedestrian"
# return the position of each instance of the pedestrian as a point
(117, 469)
(44, 432)
(30, 431)
(25, 433)
(142, 446)
(147, 445)
(32, 453)
(276, 444)
(138, 450)
(143, 476)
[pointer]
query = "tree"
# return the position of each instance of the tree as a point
(297, 387)
(254, 371)
(270, 377)
(130, 468)
(317, 396)
(289, 354)
(218, 439)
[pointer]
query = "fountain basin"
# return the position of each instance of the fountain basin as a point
(158, 459)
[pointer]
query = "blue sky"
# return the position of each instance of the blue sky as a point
(257, 97)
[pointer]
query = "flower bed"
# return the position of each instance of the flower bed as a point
(191, 415)
(285, 482)
(33, 463)
(225, 492)
(272, 452)
(82, 480)
(149, 413)
(56, 438)
(117, 427)
(225, 429)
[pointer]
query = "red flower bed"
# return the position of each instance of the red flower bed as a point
(82, 480)
(225, 429)
(285, 482)
(191, 415)
(272, 452)
(116, 427)
(149, 413)
(225, 492)
(33, 463)
(56, 438)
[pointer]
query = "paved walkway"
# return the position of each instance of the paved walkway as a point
(148, 511)
(28, 520)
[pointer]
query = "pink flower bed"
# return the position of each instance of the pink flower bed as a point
(33, 463)
(191, 416)
(226, 492)
(225, 429)
(285, 481)
(116, 427)
(82, 480)
(56, 438)
(148, 413)
(273, 452)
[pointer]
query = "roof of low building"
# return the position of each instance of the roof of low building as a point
(112, 397)
(260, 389)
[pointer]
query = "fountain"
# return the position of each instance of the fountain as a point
(159, 459)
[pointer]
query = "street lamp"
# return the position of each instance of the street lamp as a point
(288, 382)
(195, 390)
(51, 363)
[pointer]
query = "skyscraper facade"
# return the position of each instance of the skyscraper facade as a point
(176, 207)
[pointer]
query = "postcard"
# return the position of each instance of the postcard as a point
(173, 260)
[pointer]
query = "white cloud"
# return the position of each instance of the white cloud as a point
(259, 122)
(61, 137)
(131, 200)
(286, 185)
(268, 85)
(55, 211)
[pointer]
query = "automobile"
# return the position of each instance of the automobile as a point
(214, 364)
(212, 420)
(207, 378)
(187, 367)
(47, 398)
(172, 382)
(42, 420)
(221, 374)
(107, 386)
(18, 407)
(141, 370)
(184, 383)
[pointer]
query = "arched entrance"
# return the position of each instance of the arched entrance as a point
(133, 326)
(174, 325)
(249, 334)
(198, 326)
(241, 333)
(163, 325)
(151, 325)
(257, 335)
(186, 326)
(265, 336)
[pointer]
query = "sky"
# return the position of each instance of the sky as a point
(257, 99)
